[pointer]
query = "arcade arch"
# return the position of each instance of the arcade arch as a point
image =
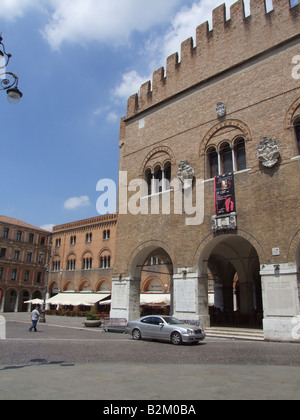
(230, 275)
(151, 263)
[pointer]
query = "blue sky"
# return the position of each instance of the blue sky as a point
(78, 61)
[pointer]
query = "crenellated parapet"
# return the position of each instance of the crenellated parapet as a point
(230, 43)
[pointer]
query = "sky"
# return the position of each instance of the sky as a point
(78, 62)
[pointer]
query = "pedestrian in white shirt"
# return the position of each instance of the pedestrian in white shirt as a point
(34, 318)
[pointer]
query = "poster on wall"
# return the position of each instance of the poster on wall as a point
(224, 194)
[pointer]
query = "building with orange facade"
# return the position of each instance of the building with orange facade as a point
(24, 251)
(82, 258)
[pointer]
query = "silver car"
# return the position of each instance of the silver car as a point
(165, 328)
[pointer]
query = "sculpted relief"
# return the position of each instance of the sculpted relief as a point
(268, 152)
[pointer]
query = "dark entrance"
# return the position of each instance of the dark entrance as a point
(234, 284)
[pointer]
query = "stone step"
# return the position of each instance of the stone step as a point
(235, 333)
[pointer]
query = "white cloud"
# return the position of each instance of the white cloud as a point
(112, 117)
(12, 9)
(105, 21)
(48, 227)
(74, 202)
(131, 83)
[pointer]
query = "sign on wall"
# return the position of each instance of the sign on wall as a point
(224, 194)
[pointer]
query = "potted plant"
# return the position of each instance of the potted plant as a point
(92, 320)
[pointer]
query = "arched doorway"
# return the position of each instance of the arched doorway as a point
(151, 265)
(233, 282)
(11, 297)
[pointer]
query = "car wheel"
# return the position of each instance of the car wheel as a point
(176, 338)
(136, 334)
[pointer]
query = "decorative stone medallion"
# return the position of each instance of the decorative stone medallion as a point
(221, 109)
(186, 174)
(268, 152)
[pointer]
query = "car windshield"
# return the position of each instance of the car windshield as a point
(171, 320)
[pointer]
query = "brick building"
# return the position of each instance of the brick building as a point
(82, 258)
(23, 256)
(219, 128)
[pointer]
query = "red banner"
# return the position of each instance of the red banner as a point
(224, 194)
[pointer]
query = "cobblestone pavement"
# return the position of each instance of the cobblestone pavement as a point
(64, 360)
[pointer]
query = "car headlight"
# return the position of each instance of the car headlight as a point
(190, 331)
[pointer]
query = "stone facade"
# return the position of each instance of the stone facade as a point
(252, 255)
(24, 251)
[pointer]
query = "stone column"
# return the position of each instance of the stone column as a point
(280, 302)
(125, 302)
(190, 296)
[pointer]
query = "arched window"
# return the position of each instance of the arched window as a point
(71, 263)
(148, 177)
(168, 171)
(297, 133)
(87, 263)
(159, 180)
(213, 162)
(224, 148)
(240, 154)
(158, 177)
(226, 158)
(105, 259)
(56, 264)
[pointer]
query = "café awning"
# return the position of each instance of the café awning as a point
(77, 299)
(35, 301)
(155, 299)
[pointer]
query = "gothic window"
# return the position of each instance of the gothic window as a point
(87, 263)
(71, 264)
(56, 265)
(105, 261)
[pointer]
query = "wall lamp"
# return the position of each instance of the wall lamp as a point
(8, 81)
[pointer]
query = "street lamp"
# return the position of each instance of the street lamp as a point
(48, 252)
(8, 81)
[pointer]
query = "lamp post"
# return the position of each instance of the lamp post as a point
(47, 267)
(8, 81)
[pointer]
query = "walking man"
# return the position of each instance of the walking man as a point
(34, 318)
